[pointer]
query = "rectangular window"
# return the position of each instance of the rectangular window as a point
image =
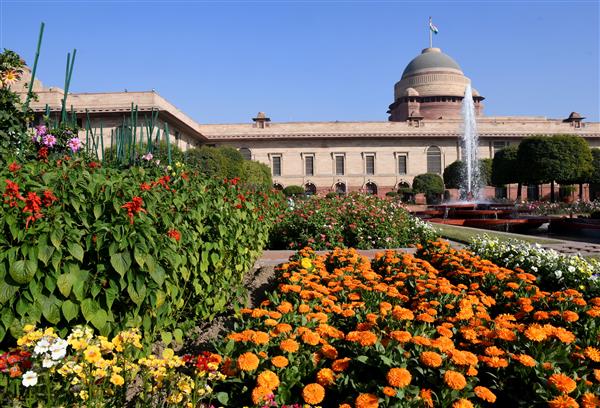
(339, 165)
(402, 164)
(498, 145)
(309, 165)
(276, 161)
(370, 164)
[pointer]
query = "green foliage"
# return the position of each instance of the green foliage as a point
(430, 184)
(595, 174)
(560, 158)
(13, 121)
(504, 166)
(83, 259)
(293, 191)
(454, 173)
(256, 174)
(353, 220)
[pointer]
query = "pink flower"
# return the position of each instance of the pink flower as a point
(74, 144)
(48, 140)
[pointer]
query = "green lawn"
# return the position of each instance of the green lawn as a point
(466, 234)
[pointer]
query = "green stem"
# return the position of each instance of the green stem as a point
(34, 69)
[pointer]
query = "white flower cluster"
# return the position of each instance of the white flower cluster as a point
(51, 350)
(562, 270)
(422, 229)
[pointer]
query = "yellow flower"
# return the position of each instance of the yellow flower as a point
(185, 385)
(116, 379)
(306, 263)
(168, 353)
(28, 328)
(92, 354)
(84, 395)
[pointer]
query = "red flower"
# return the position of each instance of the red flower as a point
(43, 153)
(32, 206)
(185, 176)
(12, 192)
(234, 181)
(133, 207)
(48, 198)
(176, 235)
(163, 181)
(93, 165)
(145, 187)
(14, 167)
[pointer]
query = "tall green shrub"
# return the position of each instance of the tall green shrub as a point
(430, 184)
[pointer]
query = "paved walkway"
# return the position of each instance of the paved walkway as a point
(272, 258)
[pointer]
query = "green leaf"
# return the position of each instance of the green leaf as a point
(97, 211)
(139, 256)
(99, 318)
(88, 309)
(7, 292)
(56, 237)
(22, 271)
(45, 253)
(158, 275)
(135, 297)
(76, 250)
(362, 359)
(223, 398)
(50, 309)
(70, 310)
(121, 261)
(178, 334)
(65, 283)
(166, 337)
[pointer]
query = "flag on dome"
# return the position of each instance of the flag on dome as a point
(433, 28)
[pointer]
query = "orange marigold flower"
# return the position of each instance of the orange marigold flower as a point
(536, 332)
(455, 380)
(282, 328)
(247, 361)
(340, 365)
(472, 371)
(494, 351)
(329, 351)
(431, 359)
(401, 336)
(289, 345)
(563, 335)
(279, 361)
(570, 316)
(590, 400)
(562, 382)
(597, 375)
(326, 377)
(389, 391)
(485, 394)
(311, 338)
(526, 360)
(303, 308)
(268, 379)
(285, 307)
(313, 393)
(592, 353)
(366, 401)
(260, 338)
(462, 403)
(564, 401)
(398, 377)
(425, 395)
(345, 406)
(402, 313)
(260, 395)
(444, 331)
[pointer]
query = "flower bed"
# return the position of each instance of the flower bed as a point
(154, 248)
(355, 220)
(553, 269)
(546, 208)
(445, 328)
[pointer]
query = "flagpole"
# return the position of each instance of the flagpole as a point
(430, 34)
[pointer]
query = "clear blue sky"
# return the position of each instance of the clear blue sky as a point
(222, 62)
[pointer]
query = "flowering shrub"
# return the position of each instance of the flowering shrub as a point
(354, 220)
(87, 370)
(554, 270)
(547, 208)
(80, 243)
(59, 140)
(446, 329)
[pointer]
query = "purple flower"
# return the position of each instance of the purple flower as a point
(48, 140)
(148, 156)
(41, 130)
(74, 144)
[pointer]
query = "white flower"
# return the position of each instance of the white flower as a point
(30, 378)
(47, 362)
(558, 274)
(59, 349)
(41, 347)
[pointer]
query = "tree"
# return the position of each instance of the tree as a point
(256, 174)
(504, 168)
(430, 184)
(562, 158)
(595, 174)
(455, 173)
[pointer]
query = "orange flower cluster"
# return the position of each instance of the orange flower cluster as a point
(442, 328)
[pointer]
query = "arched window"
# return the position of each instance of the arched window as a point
(310, 189)
(371, 188)
(246, 153)
(434, 160)
(340, 188)
(277, 186)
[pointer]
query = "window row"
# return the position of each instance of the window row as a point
(434, 163)
(339, 188)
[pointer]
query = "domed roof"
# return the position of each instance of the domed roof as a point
(411, 92)
(431, 58)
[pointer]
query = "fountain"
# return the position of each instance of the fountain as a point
(473, 210)
(471, 182)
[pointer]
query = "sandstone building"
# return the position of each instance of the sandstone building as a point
(422, 134)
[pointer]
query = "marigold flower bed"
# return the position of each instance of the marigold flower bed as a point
(442, 328)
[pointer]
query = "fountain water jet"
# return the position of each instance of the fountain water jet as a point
(470, 185)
